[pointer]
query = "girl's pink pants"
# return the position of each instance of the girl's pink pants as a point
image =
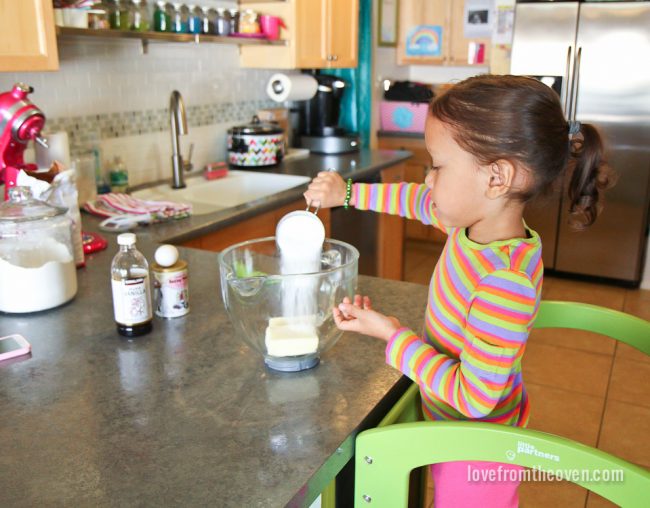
(471, 484)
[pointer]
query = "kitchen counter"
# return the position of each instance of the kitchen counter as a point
(187, 415)
(357, 165)
(395, 134)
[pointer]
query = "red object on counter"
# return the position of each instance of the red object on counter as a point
(215, 170)
(92, 242)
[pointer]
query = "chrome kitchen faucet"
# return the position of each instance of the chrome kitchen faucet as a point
(178, 123)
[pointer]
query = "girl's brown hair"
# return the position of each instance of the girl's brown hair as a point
(520, 120)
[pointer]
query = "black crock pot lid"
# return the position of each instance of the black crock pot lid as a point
(256, 127)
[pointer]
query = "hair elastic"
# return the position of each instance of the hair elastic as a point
(574, 127)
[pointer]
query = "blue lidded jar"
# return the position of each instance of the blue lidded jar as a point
(195, 23)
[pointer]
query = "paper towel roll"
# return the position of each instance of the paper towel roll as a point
(291, 87)
(58, 149)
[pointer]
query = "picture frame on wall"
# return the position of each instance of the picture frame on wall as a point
(388, 14)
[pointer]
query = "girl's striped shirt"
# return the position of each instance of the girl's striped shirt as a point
(482, 302)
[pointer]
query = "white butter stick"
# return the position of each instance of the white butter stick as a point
(291, 340)
(309, 320)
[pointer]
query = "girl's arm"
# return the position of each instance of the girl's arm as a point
(410, 200)
(498, 323)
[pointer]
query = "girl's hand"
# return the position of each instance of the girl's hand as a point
(326, 190)
(359, 317)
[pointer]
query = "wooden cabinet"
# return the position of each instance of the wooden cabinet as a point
(441, 22)
(27, 36)
(415, 170)
(321, 34)
(256, 227)
(390, 245)
(343, 33)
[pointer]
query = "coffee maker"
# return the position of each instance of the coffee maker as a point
(319, 129)
(20, 122)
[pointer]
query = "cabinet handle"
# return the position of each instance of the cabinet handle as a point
(329, 58)
(335, 57)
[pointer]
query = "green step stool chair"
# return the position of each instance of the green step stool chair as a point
(385, 456)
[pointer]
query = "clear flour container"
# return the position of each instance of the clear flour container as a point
(37, 267)
(287, 318)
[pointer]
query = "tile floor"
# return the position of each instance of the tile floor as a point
(582, 386)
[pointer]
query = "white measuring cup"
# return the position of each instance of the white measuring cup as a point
(300, 231)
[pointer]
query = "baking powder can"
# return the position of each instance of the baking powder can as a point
(171, 285)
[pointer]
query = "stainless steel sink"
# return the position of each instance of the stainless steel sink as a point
(238, 187)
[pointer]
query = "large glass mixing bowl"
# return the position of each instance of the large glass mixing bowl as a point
(286, 318)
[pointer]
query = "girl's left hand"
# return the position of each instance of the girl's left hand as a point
(361, 318)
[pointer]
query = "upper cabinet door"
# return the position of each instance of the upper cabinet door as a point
(343, 29)
(311, 33)
(27, 36)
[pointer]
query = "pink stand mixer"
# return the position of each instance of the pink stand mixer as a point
(20, 122)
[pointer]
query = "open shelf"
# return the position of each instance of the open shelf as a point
(145, 37)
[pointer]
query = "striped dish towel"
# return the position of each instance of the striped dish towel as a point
(116, 204)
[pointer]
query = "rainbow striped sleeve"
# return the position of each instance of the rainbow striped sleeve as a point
(499, 319)
(410, 200)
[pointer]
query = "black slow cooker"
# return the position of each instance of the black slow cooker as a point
(255, 144)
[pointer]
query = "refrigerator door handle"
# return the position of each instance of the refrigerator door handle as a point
(565, 84)
(575, 82)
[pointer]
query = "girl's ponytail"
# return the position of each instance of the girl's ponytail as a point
(590, 175)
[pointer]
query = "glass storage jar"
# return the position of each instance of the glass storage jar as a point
(141, 18)
(249, 22)
(120, 15)
(161, 18)
(223, 22)
(209, 19)
(98, 16)
(195, 24)
(37, 266)
(234, 20)
(180, 19)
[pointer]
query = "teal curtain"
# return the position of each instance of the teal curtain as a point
(357, 101)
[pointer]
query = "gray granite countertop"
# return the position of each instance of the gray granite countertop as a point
(395, 134)
(187, 415)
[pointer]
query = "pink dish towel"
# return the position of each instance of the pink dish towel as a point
(117, 204)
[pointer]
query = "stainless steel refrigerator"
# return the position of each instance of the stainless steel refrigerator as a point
(596, 55)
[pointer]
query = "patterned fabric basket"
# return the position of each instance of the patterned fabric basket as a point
(403, 116)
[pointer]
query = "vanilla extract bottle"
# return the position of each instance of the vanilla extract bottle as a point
(131, 289)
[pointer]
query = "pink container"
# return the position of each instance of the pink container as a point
(403, 116)
(270, 26)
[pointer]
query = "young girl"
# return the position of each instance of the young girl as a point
(495, 143)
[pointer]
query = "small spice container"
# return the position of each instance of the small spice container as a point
(234, 20)
(161, 19)
(209, 17)
(223, 22)
(195, 23)
(98, 16)
(170, 282)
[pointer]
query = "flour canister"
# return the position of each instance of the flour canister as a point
(256, 144)
(170, 282)
(37, 267)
